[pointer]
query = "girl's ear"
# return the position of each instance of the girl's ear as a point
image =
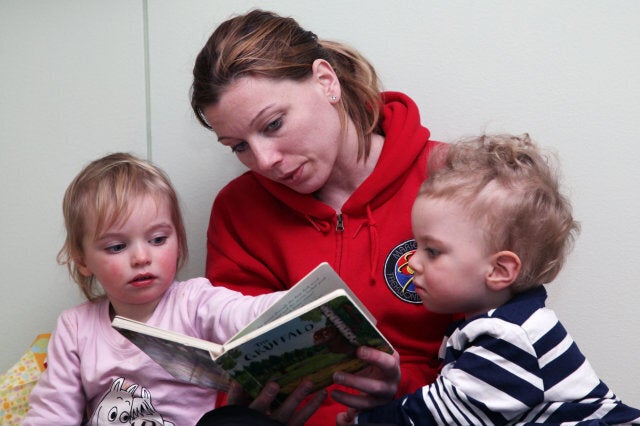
(505, 267)
(324, 74)
(82, 267)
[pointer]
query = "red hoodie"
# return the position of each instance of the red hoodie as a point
(264, 237)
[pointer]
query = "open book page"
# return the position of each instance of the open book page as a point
(186, 358)
(320, 281)
(312, 342)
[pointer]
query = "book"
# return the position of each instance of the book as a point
(311, 332)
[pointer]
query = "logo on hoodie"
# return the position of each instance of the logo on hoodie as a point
(397, 273)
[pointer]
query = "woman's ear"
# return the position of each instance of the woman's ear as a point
(324, 74)
(505, 267)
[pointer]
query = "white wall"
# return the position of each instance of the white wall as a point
(72, 87)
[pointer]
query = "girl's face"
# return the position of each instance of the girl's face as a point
(285, 130)
(451, 261)
(136, 260)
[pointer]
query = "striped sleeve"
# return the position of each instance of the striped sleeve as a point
(514, 365)
(494, 378)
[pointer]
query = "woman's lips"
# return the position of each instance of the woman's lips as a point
(293, 176)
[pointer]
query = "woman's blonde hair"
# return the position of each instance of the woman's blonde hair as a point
(510, 188)
(264, 44)
(107, 187)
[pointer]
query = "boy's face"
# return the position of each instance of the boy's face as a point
(135, 260)
(451, 261)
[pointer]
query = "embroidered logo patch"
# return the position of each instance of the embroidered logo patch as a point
(397, 273)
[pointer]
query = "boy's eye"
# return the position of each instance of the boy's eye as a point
(239, 147)
(158, 241)
(116, 248)
(432, 253)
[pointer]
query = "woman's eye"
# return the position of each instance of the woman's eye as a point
(116, 248)
(158, 241)
(239, 147)
(274, 125)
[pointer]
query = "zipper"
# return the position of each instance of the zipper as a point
(339, 237)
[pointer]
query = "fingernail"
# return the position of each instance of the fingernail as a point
(308, 386)
(364, 352)
(338, 377)
(272, 389)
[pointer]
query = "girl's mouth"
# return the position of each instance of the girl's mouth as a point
(142, 280)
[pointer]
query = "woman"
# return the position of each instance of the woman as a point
(334, 168)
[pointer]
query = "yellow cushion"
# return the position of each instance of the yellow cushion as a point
(17, 382)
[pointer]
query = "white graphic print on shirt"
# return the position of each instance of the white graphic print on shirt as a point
(127, 408)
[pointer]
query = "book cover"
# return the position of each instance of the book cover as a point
(311, 332)
(321, 281)
(312, 344)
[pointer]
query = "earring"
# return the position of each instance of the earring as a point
(334, 98)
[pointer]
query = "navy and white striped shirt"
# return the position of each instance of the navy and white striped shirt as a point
(513, 365)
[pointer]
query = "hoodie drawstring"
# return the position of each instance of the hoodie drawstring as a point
(318, 225)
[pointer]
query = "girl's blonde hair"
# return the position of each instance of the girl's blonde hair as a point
(264, 44)
(106, 188)
(510, 188)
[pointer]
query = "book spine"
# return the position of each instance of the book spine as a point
(340, 325)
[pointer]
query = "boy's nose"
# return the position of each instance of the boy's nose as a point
(411, 264)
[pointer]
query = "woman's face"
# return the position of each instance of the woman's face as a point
(285, 130)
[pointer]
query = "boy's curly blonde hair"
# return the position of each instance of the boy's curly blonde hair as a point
(511, 189)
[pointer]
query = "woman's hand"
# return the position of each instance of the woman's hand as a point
(290, 413)
(378, 383)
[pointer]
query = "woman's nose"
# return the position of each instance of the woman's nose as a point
(266, 154)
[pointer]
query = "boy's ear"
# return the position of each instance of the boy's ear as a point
(505, 269)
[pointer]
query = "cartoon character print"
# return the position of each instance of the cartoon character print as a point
(404, 273)
(115, 405)
(144, 414)
(122, 407)
(334, 340)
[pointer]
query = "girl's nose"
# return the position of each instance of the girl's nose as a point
(140, 255)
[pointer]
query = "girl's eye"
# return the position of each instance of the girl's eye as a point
(116, 248)
(274, 125)
(239, 147)
(158, 241)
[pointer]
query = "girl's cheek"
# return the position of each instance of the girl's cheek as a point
(169, 262)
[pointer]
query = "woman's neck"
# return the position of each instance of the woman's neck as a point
(349, 173)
